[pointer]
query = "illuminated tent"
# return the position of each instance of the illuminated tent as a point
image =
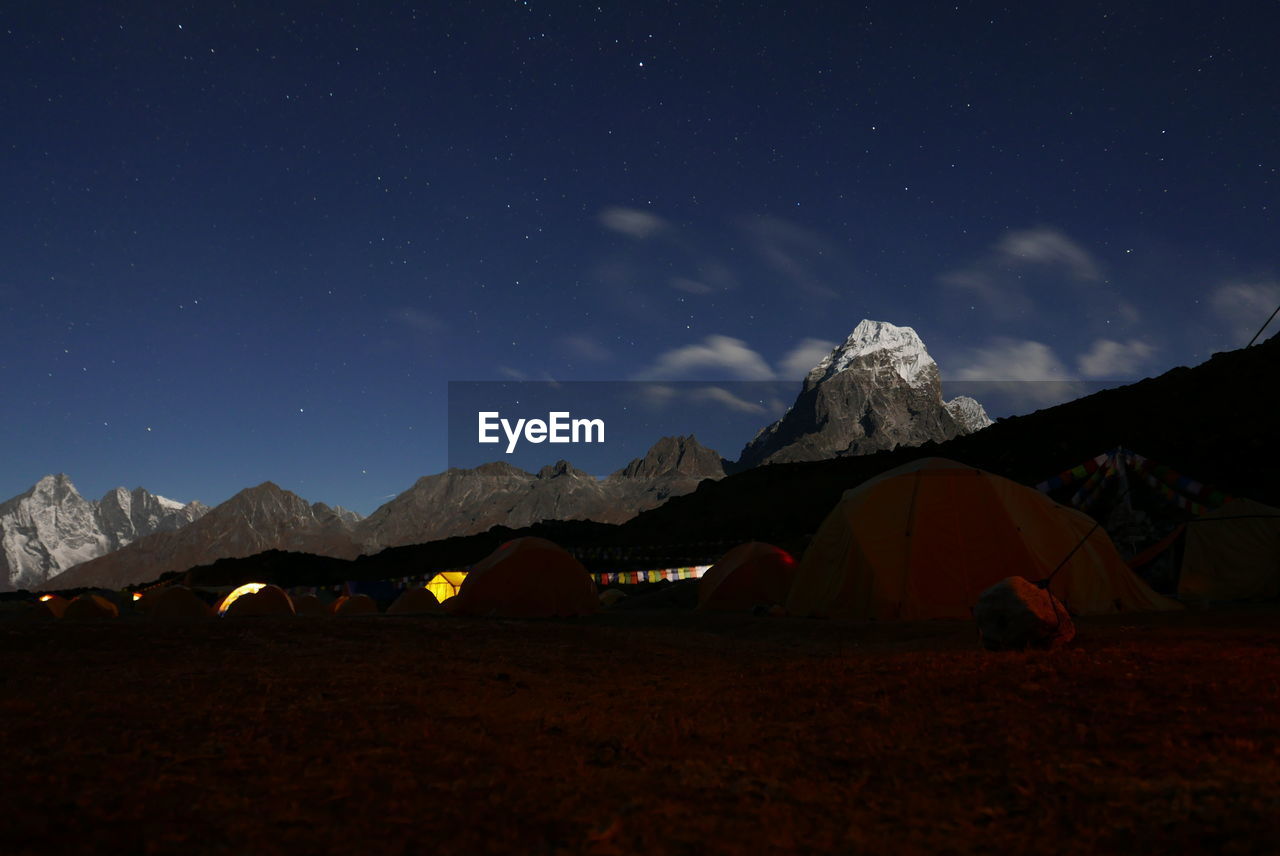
(925, 539)
(749, 575)
(527, 578)
(256, 599)
(355, 604)
(1232, 553)
(445, 584)
(175, 601)
(309, 604)
(414, 601)
(54, 604)
(91, 606)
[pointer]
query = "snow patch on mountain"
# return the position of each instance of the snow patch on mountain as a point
(905, 352)
(968, 413)
(51, 527)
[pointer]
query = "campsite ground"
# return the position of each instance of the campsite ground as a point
(653, 732)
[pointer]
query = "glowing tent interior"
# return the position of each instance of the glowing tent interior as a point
(445, 584)
(256, 599)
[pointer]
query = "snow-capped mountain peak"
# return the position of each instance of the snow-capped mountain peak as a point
(51, 527)
(903, 348)
(968, 413)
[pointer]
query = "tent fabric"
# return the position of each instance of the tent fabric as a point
(414, 601)
(445, 584)
(256, 599)
(527, 578)
(309, 604)
(56, 604)
(749, 575)
(1232, 554)
(176, 601)
(91, 606)
(926, 539)
(355, 604)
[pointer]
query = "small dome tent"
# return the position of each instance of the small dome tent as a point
(309, 604)
(91, 606)
(56, 604)
(256, 599)
(445, 584)
(750, 575)
(924, 540)
(1232, 554)
(355, 604)
(414, 601)
(176, 601)
(527, 578)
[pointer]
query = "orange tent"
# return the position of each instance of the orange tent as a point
(175, 601)
(526, 578)
(925, 539)
(355, 604)
(55, 604)
(91, 606)
(309, 604)
(749, 575)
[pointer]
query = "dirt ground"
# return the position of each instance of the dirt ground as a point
(638, 733)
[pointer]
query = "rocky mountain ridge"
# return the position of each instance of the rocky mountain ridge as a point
(264, 517)
(51, 527)
(876, 391)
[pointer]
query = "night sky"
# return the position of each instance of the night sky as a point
(255, 241)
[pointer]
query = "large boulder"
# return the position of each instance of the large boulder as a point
(1015, 614)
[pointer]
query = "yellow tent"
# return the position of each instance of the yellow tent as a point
(1232, 553)
(446, 584)
(256, 599)
(925, 539)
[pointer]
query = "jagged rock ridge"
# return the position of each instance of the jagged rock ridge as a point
(259, 518)
(878, 390)
(51, 527)
(466, 501)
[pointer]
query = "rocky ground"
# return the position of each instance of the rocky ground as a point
(642, 731)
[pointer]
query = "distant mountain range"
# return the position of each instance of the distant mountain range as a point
(51, 527)
(878, 390)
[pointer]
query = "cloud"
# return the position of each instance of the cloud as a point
(720, 395)
(1242, 307)
(997, 278)
(804, 259)
(1024, 372)
(586, 348)
(423, 322)
(804, 356)
(692, 286)
(1048, 246)
(716, 353)
(658, 395)
(1107, 358)
(632, 222)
